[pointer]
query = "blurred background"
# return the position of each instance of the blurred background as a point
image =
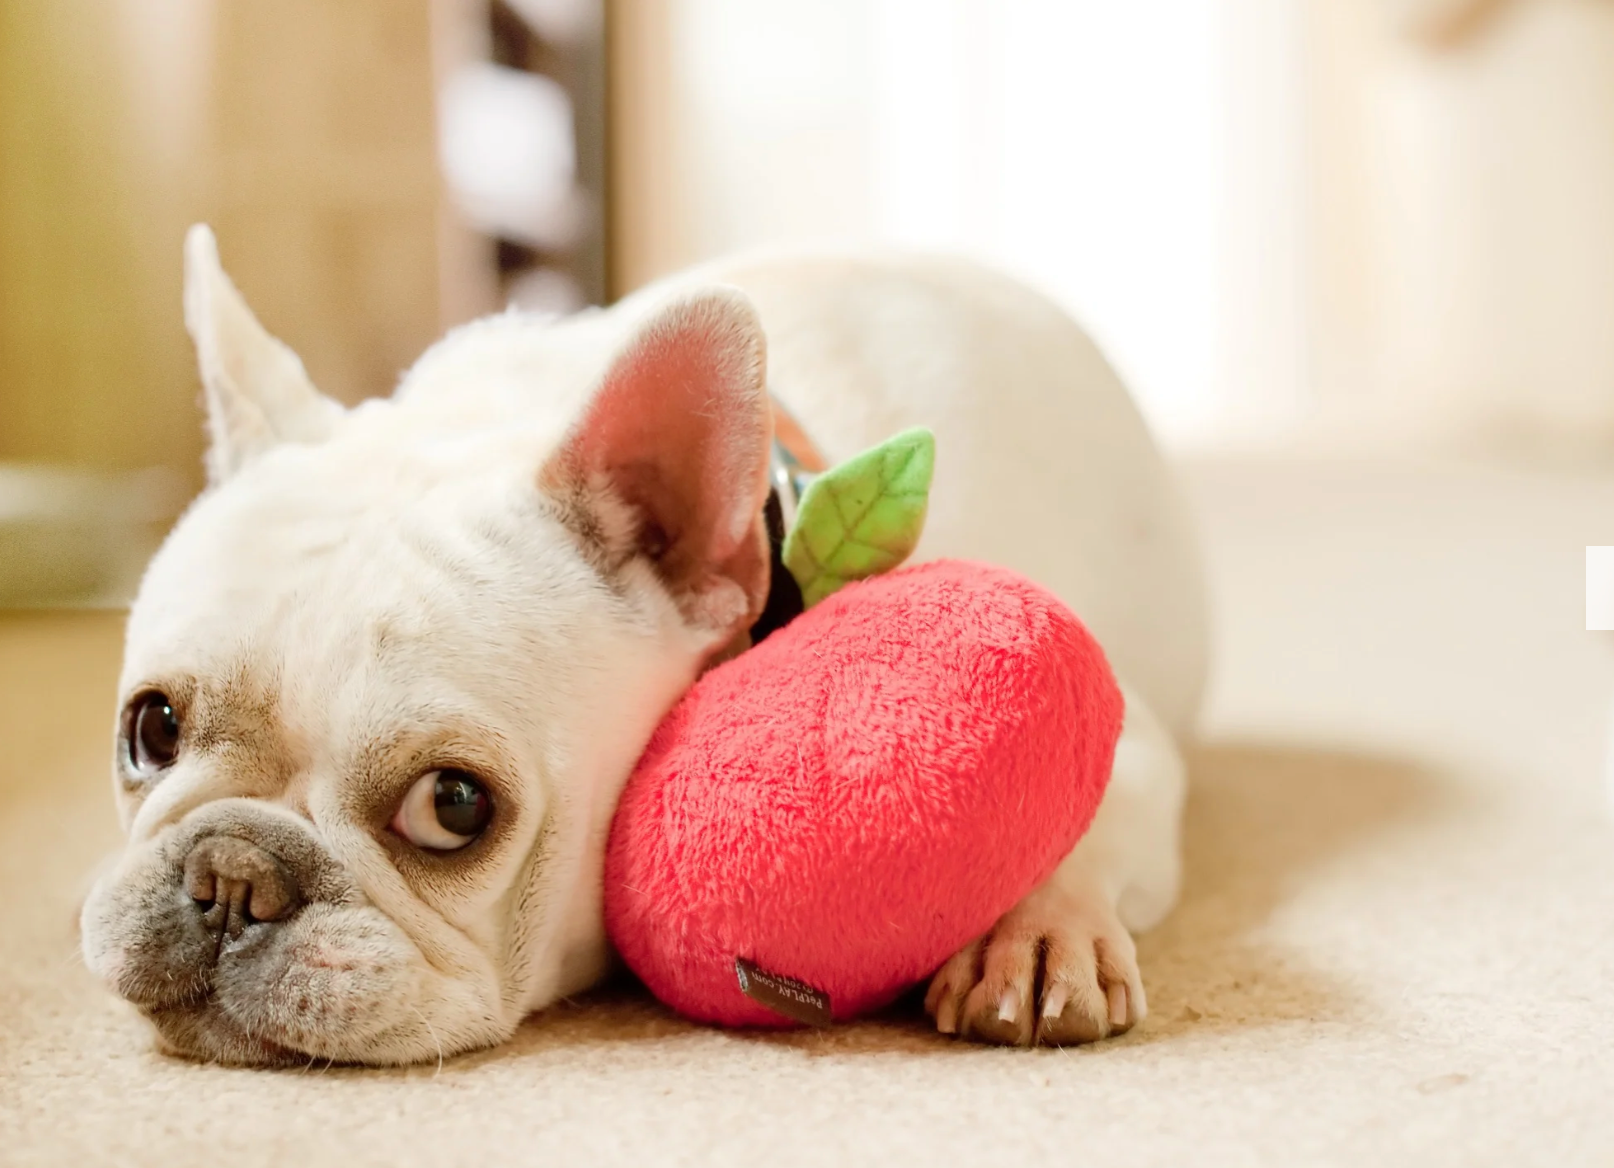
(1300, 228)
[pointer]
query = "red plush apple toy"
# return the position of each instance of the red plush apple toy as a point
(825, 819)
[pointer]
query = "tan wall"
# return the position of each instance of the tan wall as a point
(649, 211)
(84, 351)
(301, 129)
(1463, 235)
(714, 146)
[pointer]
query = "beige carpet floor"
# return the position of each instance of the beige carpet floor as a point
(1396, 946)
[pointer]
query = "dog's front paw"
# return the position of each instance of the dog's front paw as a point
(1058, 969)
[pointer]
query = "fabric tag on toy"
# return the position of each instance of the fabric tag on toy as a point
(783, 995)
(863, 516)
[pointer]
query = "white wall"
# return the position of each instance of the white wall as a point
(1082, 146)
(1079, 144)
(1312, 222)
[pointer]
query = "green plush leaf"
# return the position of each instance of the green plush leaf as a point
(862, 517)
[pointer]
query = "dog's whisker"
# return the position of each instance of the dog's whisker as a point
(427, 1024)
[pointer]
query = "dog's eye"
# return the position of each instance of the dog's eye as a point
(153, 733)
(444, 810)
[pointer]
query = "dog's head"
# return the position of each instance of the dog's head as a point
(385, 680)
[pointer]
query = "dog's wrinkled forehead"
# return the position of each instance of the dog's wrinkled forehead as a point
(332, 573)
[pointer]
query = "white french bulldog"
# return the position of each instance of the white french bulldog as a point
(385, 680)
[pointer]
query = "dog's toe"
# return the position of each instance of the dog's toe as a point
(1091, 986)
(944, 1001)
(1002, 1006)
(1056, 970)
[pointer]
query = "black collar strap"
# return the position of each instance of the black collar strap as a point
(784, 604)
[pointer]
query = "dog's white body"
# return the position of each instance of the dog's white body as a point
(357, 575)
(1044, 466)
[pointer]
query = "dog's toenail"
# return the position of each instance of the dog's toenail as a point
(1053, 1003)
(947, 1017)
(1117, 996)
(1009, 1007)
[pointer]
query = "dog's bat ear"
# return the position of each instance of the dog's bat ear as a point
(257, 393)
(676, 437)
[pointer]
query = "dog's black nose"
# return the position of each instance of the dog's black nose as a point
(235, 883)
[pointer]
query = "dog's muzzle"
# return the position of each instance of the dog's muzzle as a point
(197, 920)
